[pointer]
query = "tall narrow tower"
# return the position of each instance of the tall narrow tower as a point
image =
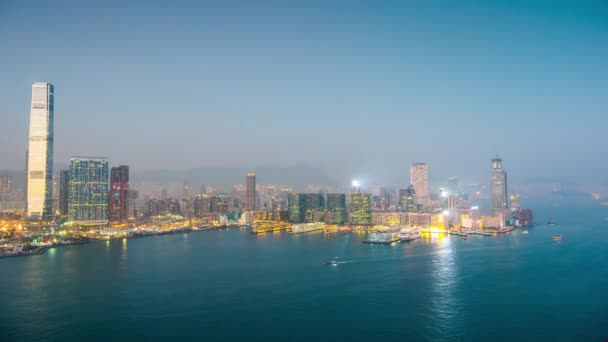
(250, 205)
(499, 185)
(420, 182)
(39, 164)
(119, 192)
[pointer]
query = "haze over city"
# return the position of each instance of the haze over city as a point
(348, 89)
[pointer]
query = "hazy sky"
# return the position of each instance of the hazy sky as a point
(354, 88)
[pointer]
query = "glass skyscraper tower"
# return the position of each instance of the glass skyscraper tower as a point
(499, 185)
(39, 159)
(89, 187)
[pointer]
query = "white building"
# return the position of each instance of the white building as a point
(39, 161)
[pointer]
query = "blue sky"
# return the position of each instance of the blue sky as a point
(354, 88)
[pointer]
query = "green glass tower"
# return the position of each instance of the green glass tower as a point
(336, 205)
(88, 191)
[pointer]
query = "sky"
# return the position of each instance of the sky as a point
(356, 89)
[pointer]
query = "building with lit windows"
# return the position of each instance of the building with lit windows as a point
(89, 188)
(419, 173)
(6, 184)
(119, 194)
(39, 159)
(499, 185)
(313, 205)
(336, 207)
(407, 200)
(64, 191)
(250, 204)
(360, 208)
(296, 205)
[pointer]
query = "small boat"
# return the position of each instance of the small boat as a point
(332, 261)
(525, 232)
(557, 238)
(464, 237)
(550, 221)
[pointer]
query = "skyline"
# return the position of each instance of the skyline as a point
(428, 82)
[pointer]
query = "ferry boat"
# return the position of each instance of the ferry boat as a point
(407, 234)
(525, 232)
(333, 261)
(557, 238)
(385, 237)
(550, 221)
(307, 227)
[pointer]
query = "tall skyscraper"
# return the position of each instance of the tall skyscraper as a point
(296, 207)
(250, 205)
(336, 206)
(89, 187)
(499, 185)
(361, 208)
(39, 160)
(407, 200)
(64, 191)
(314, 203)
(119, 194)
(419, 173)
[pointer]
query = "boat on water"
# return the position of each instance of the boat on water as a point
(550, 221)
(383, 237)
(525, 231)
(333, 261)
(464, 237)
(407, 234)
(557, 238)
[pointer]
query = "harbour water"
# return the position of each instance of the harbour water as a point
(229, 285)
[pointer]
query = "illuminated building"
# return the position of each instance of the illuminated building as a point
(407, 199)
(39, 159)
(313, 204)
(296, 207)
(514, 202)
(419, 219)
(119, 191)
(250, 204)
(336, 206)
(89, 188)
(6, 183)
(360, 208)
(389, 219)
(64, 191)
(499, 185)
(419, 173)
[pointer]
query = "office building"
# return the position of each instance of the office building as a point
(250, 204)
(336, 207)
(419, 173)
(64, 191)
(39, 159)
(296, 205)
(499, 185)
(407, 200)
(360, 208)
(119, 194)
(89, 188)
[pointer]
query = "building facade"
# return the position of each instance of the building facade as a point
(89, 188)
(499, 185)
(250, 204)
(419, 173)
(118, 206)
(6, 184)
(360, 208)
(64, 191)
(39, 160)
(336, 207)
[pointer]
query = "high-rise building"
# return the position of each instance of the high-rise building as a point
(419, 173)
(499, 185)
(118, 205)
(250, 205)
(407, 200)
(296, 207)
(89, 188)
(64, 191)
(313, 204)
(361, 208)
(39, 160)
(453, 185)
(6, 184)
(336, 206)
